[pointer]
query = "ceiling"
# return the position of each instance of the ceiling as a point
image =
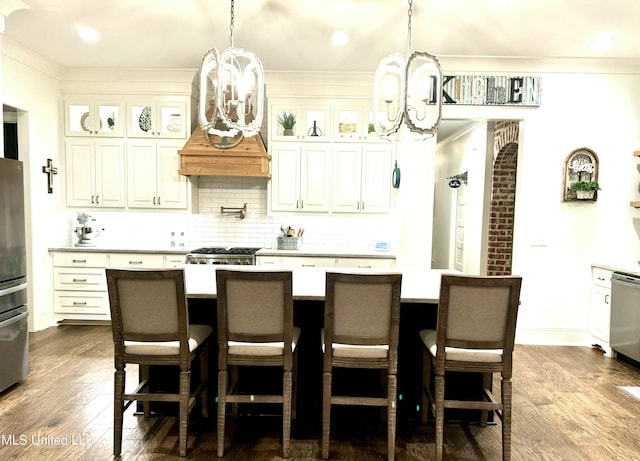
(294, 34)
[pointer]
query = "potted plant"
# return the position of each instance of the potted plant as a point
(287, 121)
(585, 190)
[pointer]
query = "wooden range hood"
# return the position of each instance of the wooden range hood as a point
(200, 157)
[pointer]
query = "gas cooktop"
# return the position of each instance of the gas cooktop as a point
(224, 251)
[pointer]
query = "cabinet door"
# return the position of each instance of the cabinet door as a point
(600, 312)
(315, 177)
(94, 118)
(110, 173)
(346, 178)
(173, 189)
(312, 121)
(157, 119)
(142, 174)
(80, 163)
(285, 173)
(348, 124)
(376, 179)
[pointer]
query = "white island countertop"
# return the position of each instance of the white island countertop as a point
(418, 286)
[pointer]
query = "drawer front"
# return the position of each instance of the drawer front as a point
(136, 261)
(69, 302)
(174, 260)
(307, 261)
(72, 259)
(268, 261)
(366, 262)
(82, 279)
(601, 277)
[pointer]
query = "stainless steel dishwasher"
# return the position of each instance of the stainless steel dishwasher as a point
(625, 314)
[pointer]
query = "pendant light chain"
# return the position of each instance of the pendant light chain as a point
(231, 26)
(409, 14)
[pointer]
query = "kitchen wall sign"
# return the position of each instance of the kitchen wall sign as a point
(580, 177)
(486, 90)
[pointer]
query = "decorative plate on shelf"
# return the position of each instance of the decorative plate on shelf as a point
(84, 122)
(144, 122)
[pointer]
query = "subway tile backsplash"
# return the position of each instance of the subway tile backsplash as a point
(208, 227)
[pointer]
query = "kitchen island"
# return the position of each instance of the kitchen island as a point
(419, 298)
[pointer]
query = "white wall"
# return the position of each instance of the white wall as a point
(31, 85)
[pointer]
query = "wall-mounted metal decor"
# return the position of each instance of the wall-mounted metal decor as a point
(580, 179)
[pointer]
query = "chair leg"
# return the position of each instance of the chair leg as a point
(439, 384)
(426, 384)
(391, 415)
(326, 413)
(235, 375)
(487, 383)
(118, 405)
(222, 403)
(204, 378)
(183, 418)
(286, 412)
(506, 419)
(143, 373)
(294, 395)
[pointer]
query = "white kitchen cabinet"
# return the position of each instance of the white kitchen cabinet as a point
(161, 117)
(95, 173)
(80, 286)
(386, 263)
(361, 178)
(86, 116)
(313, 121)
(353, 122)
(153, 179)
(301, 175)
(599, 324)
(136, 261)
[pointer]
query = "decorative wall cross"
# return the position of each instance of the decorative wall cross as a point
(50, 170)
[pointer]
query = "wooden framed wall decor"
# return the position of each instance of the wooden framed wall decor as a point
(580, 178)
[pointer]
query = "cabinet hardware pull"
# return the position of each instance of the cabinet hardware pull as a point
(301, 204)
(78, 303)
(362, 205)
(97, 199)
(79, 280)
(606, 299)
(158, 200)
(154, 200)
(92, 201)
(135, 262)
(308, 265)
(79, 261)
(297, 204)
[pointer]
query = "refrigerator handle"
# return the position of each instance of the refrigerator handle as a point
(8, 291)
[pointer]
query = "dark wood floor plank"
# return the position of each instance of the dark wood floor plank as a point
(567, 406)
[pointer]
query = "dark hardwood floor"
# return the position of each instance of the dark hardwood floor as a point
(566, 407)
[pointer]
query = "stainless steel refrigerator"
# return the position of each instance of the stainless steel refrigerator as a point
(14, 346)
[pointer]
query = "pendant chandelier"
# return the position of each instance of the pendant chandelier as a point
(231, 91)
(408, 89)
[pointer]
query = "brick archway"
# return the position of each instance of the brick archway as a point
(503, 199)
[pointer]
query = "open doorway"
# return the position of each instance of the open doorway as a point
(10, 128)
(473, 218)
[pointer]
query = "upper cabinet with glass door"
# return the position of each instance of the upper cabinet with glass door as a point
(300, 121)
(156, 118)
(353, 122)
(88, 117)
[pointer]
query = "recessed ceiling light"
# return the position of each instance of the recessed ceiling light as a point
(88, 34)
(340, 38)
(603, 42)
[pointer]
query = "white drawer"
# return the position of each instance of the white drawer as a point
(268, 261)
(174, 260)
(70, 302)
(366, 262)
(307, 261)
(73, 259)
(601, 277)
(136, 261)
(89, 279)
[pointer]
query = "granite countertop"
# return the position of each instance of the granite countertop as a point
(121, 249)
(327, 253)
